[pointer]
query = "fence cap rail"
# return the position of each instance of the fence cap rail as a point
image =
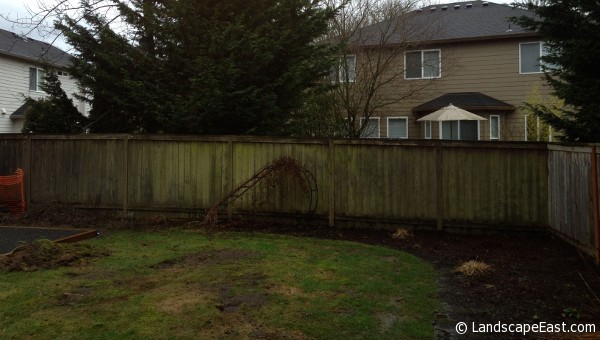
(581, 147)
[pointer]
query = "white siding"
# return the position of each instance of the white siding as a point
(14, 87)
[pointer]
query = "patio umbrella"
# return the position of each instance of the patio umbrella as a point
(450, 112)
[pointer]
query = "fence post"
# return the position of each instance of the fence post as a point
(125, 175)
(595, 202)
(331, 199)
(439, 184)
(229, 175)
(28, 173)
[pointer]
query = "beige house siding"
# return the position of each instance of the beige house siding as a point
(489, 67)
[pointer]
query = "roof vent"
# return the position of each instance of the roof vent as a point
(485, 3)
(456, 6)
(469, 5)
(444, 8)
(432, 9)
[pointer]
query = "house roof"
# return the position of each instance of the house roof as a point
(21, 111)
(456, 21)
(18, 46)
(466, 101)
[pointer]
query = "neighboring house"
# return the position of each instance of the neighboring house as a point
(476, 60)
(21, 62)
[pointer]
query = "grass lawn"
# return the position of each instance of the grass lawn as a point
(183, 284)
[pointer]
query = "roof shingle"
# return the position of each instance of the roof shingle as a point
(466, 101)
(17, 46)
(467, 20)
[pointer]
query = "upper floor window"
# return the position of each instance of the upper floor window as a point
(529, 57)
(36, 79)
(425, 64)
(345, 71)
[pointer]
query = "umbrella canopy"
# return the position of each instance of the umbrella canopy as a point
(450, 112)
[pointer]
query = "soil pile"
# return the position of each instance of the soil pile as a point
(45, 254)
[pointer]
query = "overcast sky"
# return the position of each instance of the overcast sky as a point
(16, 10)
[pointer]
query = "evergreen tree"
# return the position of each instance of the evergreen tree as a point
(571, 30)
(208, 67)
(55, 114)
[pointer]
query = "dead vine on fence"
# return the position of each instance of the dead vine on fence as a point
(267, 179)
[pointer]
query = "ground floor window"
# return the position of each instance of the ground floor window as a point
(371, 129)
(427, 129)
(460, 130)
(397, 127)
(494, 127)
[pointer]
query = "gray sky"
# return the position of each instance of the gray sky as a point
(16, 10)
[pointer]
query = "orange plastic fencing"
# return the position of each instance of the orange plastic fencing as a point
(12, 192)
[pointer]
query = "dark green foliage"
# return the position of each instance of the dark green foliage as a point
(317, 118)
(571, 30)
(55, 114)
(200, 67)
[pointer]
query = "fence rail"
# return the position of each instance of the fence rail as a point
(519, 185)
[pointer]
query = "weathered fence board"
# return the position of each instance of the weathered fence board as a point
(495, 185)
(570, 195)
(80, 172)
(12, 154)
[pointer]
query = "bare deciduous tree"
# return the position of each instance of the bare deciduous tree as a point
(371, 72)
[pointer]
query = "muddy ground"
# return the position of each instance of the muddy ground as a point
(533, 278)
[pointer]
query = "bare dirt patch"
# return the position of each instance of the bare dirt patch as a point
(45, 254)
(179, 303)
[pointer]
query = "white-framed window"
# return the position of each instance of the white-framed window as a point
(529, 57)
(36, 78)
(460, 130)
(371, 130)
(427, 132)
(397, 127)
(424, 64)
(345, 70)
(494, 127)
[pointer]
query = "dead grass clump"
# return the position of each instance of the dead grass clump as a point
(401, 234)
(473, 267)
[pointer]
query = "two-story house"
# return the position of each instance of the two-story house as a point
(475, 59)
(21, 73)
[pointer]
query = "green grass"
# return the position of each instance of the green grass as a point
(181, 284)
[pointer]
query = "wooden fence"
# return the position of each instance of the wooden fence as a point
(573, 207)
(375, 181)
(528, 186)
